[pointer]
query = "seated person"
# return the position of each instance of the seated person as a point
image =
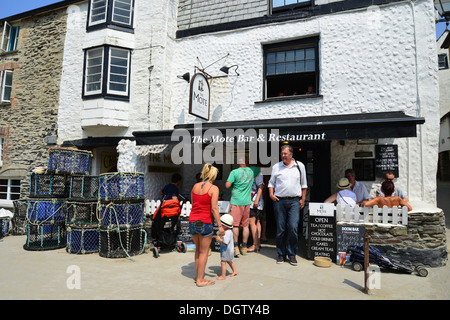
(387, 187)
(397, 192)
(345, 196)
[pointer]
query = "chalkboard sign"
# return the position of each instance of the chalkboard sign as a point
(322, 231)
(386, 159)
(184, 234)
(348, 236)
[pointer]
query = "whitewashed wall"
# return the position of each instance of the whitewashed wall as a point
(382, 59)
(151, 42)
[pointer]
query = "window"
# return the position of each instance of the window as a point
(10, 37)
(9, 189)
(1, 151)
(106, 13)
(364, 169)
(443, 61)
(291, 68)
(278, 5)
(107, 72)
(6, 86)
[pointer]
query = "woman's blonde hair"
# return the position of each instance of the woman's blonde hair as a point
(209, 172)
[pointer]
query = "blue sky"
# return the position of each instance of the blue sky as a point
(12, 7)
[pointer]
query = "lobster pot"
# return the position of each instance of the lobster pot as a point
(69, 161)
(82, 214)
(45, 236)
(4, 226)
(122, 242)
(83, 188)
(121, 186)
(19, 219)
(121, 214)
(49, 186)
(82, 240)
(45, 211)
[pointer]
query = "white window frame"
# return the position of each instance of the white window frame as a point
(4, 85)
(8, 202)
(111, 91)
(1, 150)
(110, 13)
(114, 12)
(6, 37)
(100, 90)
(93, 23)
(106, 73)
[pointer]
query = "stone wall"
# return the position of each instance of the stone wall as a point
(31, 117)
(423, 240)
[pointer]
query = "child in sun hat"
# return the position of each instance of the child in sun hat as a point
(226, 247)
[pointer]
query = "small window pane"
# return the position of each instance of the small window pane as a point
(300, 66)
(309, 66)
(290, 55)
(278, 3)
(310, 53)
(300, 54)
(271, 58)
(290, 67)
(281, 68)
(271, 69)
(281, 56)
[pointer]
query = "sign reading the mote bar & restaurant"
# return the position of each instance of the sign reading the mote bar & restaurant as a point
(322, 230)
(386, 159)
(199, 96)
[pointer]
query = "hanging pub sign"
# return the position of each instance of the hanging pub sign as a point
(199, 96)
(386, 159)
(322, 230)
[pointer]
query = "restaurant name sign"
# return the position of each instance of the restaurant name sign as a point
(199, 96)
(261, 136)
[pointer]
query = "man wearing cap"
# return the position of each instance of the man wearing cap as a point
(287, 189)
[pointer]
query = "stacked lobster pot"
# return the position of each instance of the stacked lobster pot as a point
(121, 211)
(82, 215)
(46, 207)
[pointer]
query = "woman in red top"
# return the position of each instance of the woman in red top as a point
(204, 197)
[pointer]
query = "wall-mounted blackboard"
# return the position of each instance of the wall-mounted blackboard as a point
(348, 236)
(386, 159)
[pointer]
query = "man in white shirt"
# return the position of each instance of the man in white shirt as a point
(357, 187)
(287, 189)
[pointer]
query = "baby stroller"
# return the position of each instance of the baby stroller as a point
(376, 257)
(165, 227)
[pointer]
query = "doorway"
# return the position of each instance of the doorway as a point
(316, 157)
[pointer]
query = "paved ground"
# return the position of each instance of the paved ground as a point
(44, 275)
(47, 275)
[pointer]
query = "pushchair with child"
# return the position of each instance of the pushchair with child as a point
(166, 226)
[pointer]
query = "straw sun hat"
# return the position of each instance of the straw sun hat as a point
(344, 184)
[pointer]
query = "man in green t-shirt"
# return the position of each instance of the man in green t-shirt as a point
(240, 181)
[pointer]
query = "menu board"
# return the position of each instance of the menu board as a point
(386, 159)
(322, 230)
(184, 234)
(348, 236)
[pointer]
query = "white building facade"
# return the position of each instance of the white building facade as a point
(364, 64)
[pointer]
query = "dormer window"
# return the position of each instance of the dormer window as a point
(10, 36)
(110, 14)
(281, 5)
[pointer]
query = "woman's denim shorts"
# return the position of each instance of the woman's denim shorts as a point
(200, 228)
